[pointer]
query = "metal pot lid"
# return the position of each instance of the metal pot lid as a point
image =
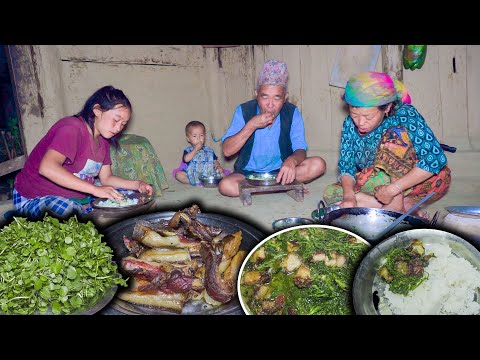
(469, 210)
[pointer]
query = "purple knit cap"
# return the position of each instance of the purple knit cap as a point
(274, 72)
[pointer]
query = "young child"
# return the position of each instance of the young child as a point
(59, 174)
(198, 159)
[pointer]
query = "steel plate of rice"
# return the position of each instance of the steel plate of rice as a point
(419, 272)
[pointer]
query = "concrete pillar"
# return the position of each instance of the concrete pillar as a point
(392, 61)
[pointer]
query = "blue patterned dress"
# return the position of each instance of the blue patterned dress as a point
(201, 164)
(358, 152)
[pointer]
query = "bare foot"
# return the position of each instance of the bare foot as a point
(422, 214)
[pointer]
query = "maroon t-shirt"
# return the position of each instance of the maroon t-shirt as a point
(70, 137)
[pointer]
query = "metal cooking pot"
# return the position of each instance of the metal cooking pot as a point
(368, 223)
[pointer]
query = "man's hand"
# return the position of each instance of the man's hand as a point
(262, 120)
(287, 172)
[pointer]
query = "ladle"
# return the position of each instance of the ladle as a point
(400, 218)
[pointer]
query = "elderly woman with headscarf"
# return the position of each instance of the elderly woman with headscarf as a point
(268, 134)
(389, 156)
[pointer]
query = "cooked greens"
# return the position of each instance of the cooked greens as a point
(306, 271)
(404, 268)
(53, 267)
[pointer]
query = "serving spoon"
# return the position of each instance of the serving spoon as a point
(400, 218)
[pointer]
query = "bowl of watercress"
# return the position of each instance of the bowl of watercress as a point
(55, 267)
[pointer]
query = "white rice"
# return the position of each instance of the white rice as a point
(451, 288)
(118, 203)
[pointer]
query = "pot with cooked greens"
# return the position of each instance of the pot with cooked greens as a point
(306, 270)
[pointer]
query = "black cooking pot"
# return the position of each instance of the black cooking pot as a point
(368, 223)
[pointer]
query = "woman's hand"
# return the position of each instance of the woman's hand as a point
(108, 192)
(386, 193)
(145, 188)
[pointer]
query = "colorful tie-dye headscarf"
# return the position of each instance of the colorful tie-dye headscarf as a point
(274, 72)
(369, 89)
(402, 92)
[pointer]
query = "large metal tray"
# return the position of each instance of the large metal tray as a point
(113, 235)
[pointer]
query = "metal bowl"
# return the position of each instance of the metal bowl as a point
(93, 306)
(262, 178)
(367, 286)
(210, 181)
(284, 223)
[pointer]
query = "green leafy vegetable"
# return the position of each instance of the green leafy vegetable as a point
(329, 290)
(404, 268)
(48, 265)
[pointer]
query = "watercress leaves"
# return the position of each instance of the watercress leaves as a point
(53, 266)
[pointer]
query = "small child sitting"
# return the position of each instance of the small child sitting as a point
(198, 159)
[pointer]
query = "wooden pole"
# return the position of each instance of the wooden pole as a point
(392, 61)
(6, 145)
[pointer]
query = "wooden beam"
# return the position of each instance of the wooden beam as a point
(392, 61)
(9, 166)
(219, 46)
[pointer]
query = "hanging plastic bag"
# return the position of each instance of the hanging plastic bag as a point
(414, 56)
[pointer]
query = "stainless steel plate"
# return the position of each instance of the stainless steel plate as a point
(114, 238)
(262, 179)
(143, 200)
(366, 276)
(284, 223)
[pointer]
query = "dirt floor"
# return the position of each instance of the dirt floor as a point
(265, 208)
